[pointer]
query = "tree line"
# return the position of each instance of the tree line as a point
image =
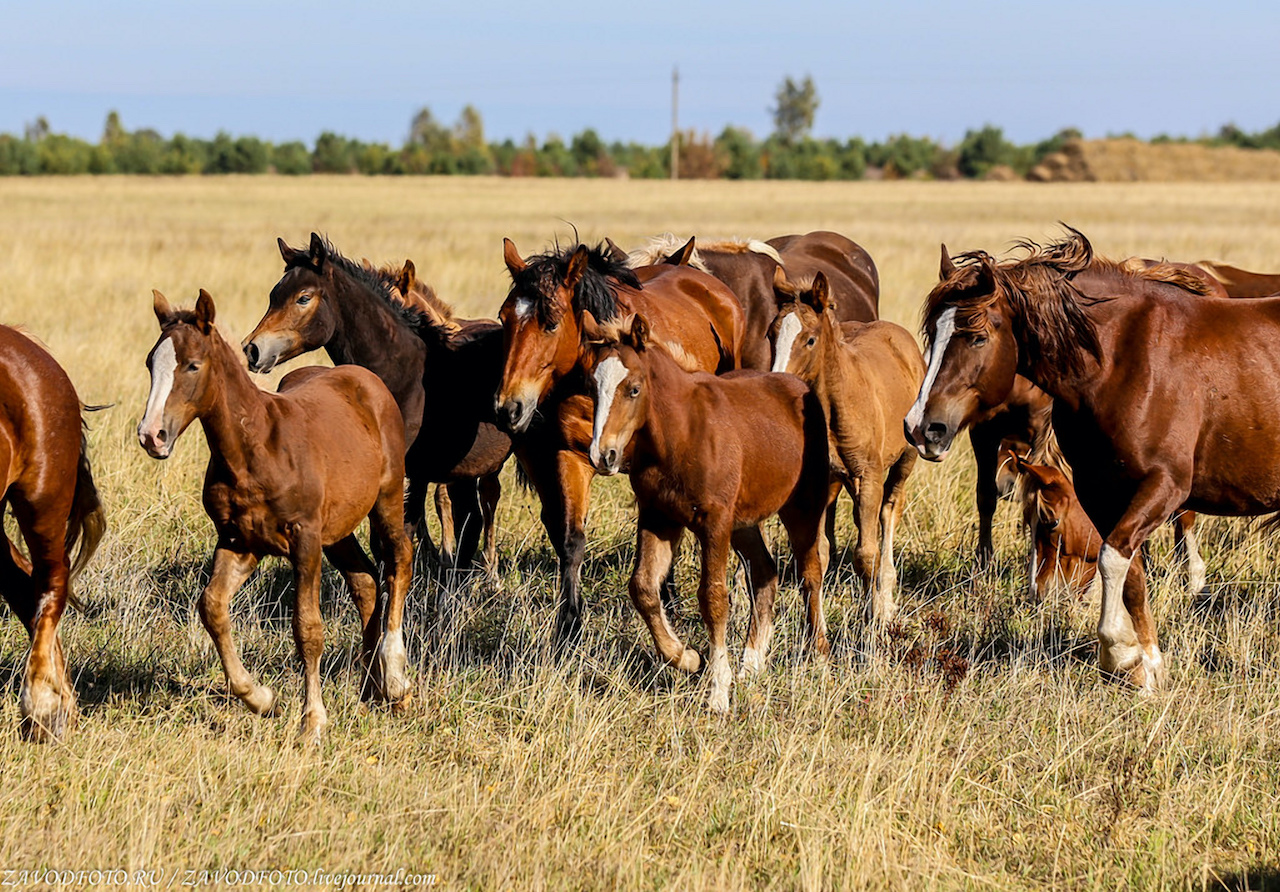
(433, 147)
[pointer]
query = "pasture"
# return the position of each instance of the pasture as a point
(972, 746)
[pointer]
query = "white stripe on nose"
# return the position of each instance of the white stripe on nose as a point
(942, 333)
(787, 332)
(164, 361)
(609, 377)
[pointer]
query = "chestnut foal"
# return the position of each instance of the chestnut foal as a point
(290, 474)
(715, 455)
(866, 376)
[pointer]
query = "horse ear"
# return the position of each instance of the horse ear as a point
(515, 263)
(820, 293)
(292, 256)
(683, 256)
(947, 267)
(205, 311)
(164, 309)
(639, 332)
(577, 267)
(783, 290)
(615, 253)
(319, 253)
(408, 278)
(590, 327)
(986, 283)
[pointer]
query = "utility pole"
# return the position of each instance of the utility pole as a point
(675, 123)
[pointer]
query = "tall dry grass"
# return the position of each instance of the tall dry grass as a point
(974, 747)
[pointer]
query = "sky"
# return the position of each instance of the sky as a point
(924, 67)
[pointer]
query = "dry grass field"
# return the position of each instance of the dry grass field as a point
(974, 748)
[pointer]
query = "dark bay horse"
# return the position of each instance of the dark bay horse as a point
(865, 375)
(747, 266)
(46, 480)
(442, 371)
(716, 455)
(290, 474)
(1161, 400)
(694, 314)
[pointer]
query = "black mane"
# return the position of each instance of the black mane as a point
(597, 292)
(370, 279)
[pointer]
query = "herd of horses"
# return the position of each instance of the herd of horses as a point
(730, 382)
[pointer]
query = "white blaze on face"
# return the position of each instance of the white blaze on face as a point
(942, 333)
(524, 308)
(787, 332)
(609, 377)
(164, 361)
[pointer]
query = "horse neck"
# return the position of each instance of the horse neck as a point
(372, 334)
(666, 433)
(1061, 366)
(837, 370)
(235, 416)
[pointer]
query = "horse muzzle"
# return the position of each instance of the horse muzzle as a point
(514, 415)
(932, 438)
(157, 443)
(263, 352)
(607, 462)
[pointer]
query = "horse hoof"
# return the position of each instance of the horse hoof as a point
(261, 701)
(690, 661)
(752, 663)
(310, 734)
(568, 629)
(46, 715)
(719, 702)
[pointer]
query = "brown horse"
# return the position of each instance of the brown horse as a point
(748, 266)
(441, 371)
(692, 313)
(290, 474)
(1149, 384)
(865, 375)
(717, 456)
(44, 469)
(1241, 282)
(1064, 542)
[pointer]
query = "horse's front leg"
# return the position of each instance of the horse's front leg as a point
(1127, 646)
(985, 440)
(308, 634)
(713, 600)
(656, 540)
(230, 570)
(1186, 543)
(47, 699)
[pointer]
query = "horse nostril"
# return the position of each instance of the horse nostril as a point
(162, 435)
(251, 352)
(611, 459)
(936, 432)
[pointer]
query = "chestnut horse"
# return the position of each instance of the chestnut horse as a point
(717, 456)
(290, 474)
(1149, 382)
(1241, 282)
(441, 371)
(692, 313)
(748, 266)
(44, 469)
(865, 376)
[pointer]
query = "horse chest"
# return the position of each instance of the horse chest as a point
(247, 522)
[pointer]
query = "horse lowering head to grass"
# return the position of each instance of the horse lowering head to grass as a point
(290, 474)
(1162, 400)
(716, 455)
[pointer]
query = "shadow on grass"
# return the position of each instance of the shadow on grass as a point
(1256, 878)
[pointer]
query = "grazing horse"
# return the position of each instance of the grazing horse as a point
(441, 371)
(1150, 385)
(717, 456)
(291, 474)
(865, 375)
(694, 314)
(46, 480)
(748, 266)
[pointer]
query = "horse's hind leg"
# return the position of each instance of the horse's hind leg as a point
(230, 570)
(308, 634)
(655, 550)
(1186, 543)
(986, 452)
(391, 660)
(48, 701)
(563, 480)
(762, 578)
(891, 508)
(866, 558)
(810, 548)
(713, 599)
(362, 582)
(468, 520)
(446, 513)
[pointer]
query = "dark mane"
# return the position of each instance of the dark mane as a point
(597, 292)
(374, 280)
(1047, 308)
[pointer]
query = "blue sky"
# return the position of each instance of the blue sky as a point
(924, 67)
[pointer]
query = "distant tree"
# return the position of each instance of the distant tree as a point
(981, 150)
(333, 154)
(795, 108)
(741, 153)
(701, 158)
(291, 158)
(429, 133)
(18, 157)
(113, 131)
(36, 130)
(470, 152)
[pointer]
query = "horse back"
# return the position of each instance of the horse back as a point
(346, 412)
(850, 271)
(692, 310)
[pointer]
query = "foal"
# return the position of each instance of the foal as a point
(715, 455)
(290, 474)
(866, 377)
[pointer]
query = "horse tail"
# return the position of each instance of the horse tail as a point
(88, 521)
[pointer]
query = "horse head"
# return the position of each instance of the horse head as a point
(805, 317)
(302, 315)
(618, 380)
(181, 367)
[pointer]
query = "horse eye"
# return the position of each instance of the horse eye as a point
(193, 366)
(812, 341)
(552, 326)
(635, 391)
(304, 299)
(979, 340)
